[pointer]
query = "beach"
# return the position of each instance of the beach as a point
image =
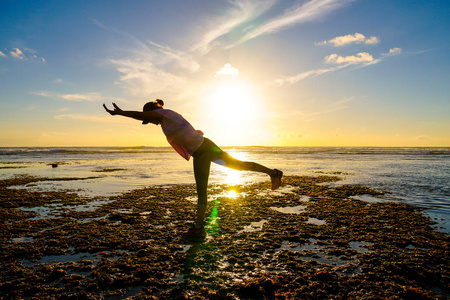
(107, 224)
(341, 106)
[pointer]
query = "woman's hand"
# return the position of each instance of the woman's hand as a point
(116, 110)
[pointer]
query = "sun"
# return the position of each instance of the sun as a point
(233, 110)
(232, 101)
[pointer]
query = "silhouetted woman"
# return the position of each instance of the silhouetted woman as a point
(190, 142)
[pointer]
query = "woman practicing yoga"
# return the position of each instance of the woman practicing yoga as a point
(190, 142)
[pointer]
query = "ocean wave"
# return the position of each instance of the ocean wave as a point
(345, 150)
(33, 151)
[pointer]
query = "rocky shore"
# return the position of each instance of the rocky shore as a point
(308, 241)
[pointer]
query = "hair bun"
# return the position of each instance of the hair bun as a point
(160, 102)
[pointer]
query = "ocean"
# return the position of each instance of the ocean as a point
(418, 176)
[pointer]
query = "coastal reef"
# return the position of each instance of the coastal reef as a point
(309, 240)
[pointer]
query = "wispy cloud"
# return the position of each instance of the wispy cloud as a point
(288, 80)
(326, 108)
(89, 118)
(362, 57)
(356, 38)
(359, 60)
(306, 12)
(22, 54)
(151, 71)
(241, 12)
(89, 97)
(148, 68)
(393, 51)
(17, 53)
(183, 60)
(345, 102)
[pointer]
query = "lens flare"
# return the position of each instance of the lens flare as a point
(212, 224)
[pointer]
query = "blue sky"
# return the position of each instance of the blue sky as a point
(275, 73)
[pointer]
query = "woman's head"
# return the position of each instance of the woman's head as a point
(158, 103)
(149, 106)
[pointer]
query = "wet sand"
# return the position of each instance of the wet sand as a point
(308, 241)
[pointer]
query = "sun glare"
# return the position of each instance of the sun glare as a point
(233, 109)
(232, 101)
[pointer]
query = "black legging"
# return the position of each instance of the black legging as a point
(209, 152)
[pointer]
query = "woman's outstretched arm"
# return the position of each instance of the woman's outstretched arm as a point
(138, 115)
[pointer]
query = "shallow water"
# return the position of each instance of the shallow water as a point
(418, 176)
(291, 209)
(138, 246)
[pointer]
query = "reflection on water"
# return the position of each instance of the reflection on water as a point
(233, 177)
(213, 197)
(360, 246)
(316, 221)
(254, 226)
(291, 209)
(232, 194)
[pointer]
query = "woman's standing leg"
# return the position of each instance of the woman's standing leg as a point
(207, 153)
(202, 165)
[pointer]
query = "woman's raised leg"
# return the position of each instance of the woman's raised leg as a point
(230, 162)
